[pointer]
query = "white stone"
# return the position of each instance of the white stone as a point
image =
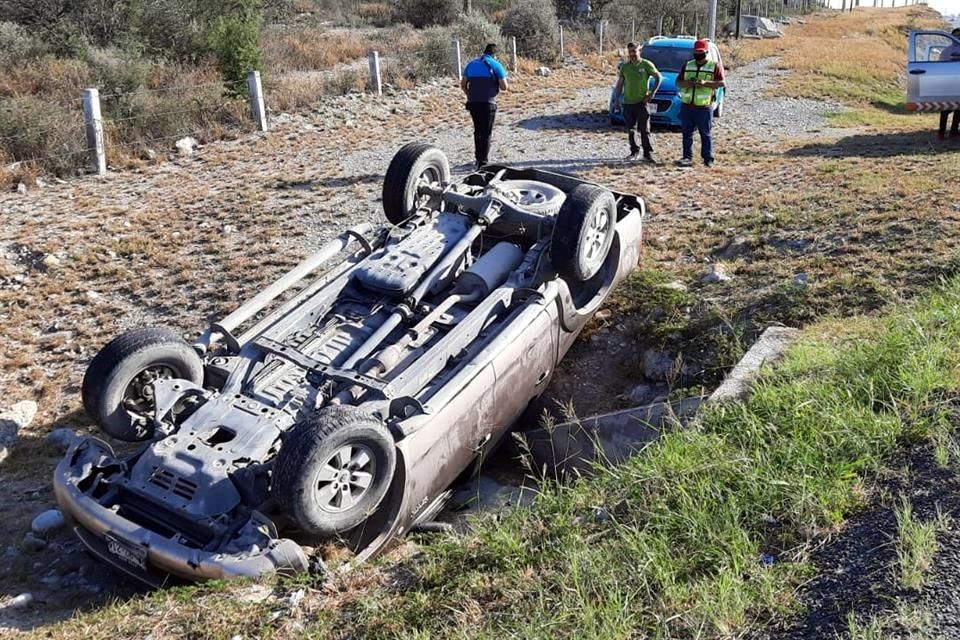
(51, 261)
(603, 314)
(20, 602)
(93, 296)
(543, 71)
(717, 273)
(11, 421)
(47, 522)
(801, 279)
(21, 188)
(185, 146)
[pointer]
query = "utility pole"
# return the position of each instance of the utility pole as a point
(712, 19)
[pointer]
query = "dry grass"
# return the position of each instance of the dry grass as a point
(309, 48)
(855, 58)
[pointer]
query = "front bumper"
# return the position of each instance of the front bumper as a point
(147, 555)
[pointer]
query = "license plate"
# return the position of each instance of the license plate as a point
(131, 554)
(651, 107)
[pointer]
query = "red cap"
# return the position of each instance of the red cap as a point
(701, 46)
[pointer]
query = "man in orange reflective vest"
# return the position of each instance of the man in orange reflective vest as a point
(698, 83)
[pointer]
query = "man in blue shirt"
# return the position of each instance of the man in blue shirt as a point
(483, 78)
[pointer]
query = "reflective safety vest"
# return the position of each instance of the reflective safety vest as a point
(698, 96)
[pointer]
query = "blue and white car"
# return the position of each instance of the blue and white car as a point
(669, 55)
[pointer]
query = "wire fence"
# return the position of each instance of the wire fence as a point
(126, 124)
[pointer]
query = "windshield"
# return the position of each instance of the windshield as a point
(670, 59)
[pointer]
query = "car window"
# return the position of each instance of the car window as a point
(669, 59)
(935, 47)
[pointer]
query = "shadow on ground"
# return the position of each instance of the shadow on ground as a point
(880, 145)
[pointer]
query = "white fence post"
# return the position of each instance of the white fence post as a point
(455, 60)
(257, 110)
(561, 43)
(513, 53)
(633, 29)
(683, 20)
(660, 27)
(375, 80)
(94, 125)
(601, 37)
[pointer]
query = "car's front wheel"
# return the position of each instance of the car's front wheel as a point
(333, 470)
(583, 233)
(413, 167)
(117, 389)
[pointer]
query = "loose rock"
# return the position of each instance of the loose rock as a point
(11, 421)
(21, 188)
(32, 544)
(61, 438)
(647, 393)
(185, 146)
(801, 279)
(20, 602)
(657, 365)
(717, 273)
(51, 261)
(47, 522)
(543, 71)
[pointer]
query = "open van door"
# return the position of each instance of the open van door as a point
(933, 71)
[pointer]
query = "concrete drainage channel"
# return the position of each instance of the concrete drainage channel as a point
(574, 447)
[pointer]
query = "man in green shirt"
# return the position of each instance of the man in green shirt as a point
(633, 83)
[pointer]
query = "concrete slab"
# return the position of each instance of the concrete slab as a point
(613, 437)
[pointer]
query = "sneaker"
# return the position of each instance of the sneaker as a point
(649, 159)
(684, 162)
(708, 163)
(633, 157)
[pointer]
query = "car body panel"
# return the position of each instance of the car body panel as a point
(676, 51)
(932, 84)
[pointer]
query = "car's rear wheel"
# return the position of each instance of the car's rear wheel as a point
(333, 470)
(583, 232)
(117, 389)
(414, 166)
(534, 196)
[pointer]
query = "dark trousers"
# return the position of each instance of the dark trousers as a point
(483, 114)
(637, 118)
(954, 128)
(699, 118)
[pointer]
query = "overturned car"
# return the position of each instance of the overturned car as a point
(345, 411)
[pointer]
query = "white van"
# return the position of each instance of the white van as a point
(933, 71)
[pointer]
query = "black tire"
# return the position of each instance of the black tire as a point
(583, 232)
(414, 161)
(304, 488)
(116, 387)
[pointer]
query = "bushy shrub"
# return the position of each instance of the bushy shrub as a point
(235, 41)
(474, 33)
(534, 24)
(17, 46)
(34, 129)
(426, 13)
(117, 71)
(435, 54)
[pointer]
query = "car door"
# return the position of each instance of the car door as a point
(933, 84)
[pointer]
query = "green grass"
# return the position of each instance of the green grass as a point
(916, 545)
